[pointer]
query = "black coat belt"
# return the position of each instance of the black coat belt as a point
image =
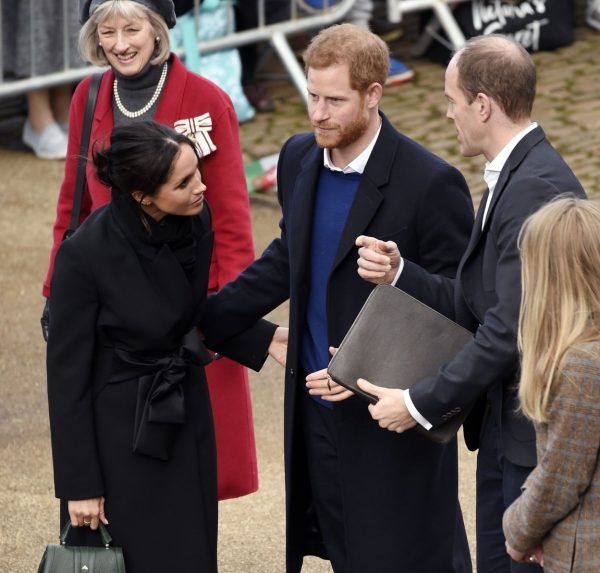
(160, 407)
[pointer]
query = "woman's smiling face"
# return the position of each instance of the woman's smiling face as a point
(128, 43)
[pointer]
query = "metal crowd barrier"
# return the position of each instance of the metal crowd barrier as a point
(276, 34)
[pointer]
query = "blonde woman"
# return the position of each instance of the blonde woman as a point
(555, 520)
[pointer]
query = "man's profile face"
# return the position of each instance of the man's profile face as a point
(338, 113)
(464, 114)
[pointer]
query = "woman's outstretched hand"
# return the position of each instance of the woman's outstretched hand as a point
(279, 344)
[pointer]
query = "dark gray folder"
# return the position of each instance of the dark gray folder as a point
(395, 341)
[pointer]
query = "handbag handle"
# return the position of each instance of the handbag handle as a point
(83, 153)
(106, 538)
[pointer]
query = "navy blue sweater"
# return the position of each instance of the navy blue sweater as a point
(335, 194)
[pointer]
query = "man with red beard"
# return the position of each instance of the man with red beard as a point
(362, 497)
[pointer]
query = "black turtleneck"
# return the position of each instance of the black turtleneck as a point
(135, 92)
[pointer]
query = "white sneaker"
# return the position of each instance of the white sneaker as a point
(51, 143)
(592, 17)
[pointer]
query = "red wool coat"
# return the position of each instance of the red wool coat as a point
(189, 103)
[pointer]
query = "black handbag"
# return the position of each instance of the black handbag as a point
(65, 558)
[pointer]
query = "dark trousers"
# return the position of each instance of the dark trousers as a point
(498, 484)
(320, 438)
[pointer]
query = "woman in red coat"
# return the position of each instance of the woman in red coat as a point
(145, 81)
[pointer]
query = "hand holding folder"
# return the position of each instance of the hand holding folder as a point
(394, 342)
(389, 410)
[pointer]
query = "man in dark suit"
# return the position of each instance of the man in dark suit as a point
(362, 497)
(490, 87)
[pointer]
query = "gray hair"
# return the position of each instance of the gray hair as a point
(89, 42)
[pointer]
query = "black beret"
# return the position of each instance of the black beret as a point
(163, 7)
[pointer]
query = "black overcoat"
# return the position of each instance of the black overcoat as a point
(400, 491)
(123, 345)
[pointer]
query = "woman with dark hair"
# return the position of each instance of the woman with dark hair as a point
(145, 81)
(130, 415)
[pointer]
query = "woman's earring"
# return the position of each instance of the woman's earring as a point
(158, 38)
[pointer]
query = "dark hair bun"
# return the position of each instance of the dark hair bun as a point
(102, 163)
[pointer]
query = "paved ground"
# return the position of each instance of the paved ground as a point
(251, 529)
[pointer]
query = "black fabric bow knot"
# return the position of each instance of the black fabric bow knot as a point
(160, 406)
(165, 393)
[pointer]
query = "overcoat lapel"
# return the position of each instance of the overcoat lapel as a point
(516, 157)
(168, 278)
(301, 210)
(369, 196)
(169, 105)
(477, 227)
(366, 203)
(161, 271)
(103, 116)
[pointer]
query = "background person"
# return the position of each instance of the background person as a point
(490, 86)
(246, 18)
(357, 495)
(559, 338)
(130, 415)
(362, 14)
(151, 83)
(592, 14)
(45, 129)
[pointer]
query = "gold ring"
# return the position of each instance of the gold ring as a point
(87, 523)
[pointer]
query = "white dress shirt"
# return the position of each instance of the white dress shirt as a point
(495, 166)
(358, 164)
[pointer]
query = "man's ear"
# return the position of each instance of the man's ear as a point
(373, 95)
(484, 106)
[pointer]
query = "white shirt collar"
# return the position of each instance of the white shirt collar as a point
(358, 164)
(495, 166)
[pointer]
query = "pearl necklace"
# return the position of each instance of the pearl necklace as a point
(134, 114)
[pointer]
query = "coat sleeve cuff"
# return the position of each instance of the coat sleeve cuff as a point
(250, 347)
